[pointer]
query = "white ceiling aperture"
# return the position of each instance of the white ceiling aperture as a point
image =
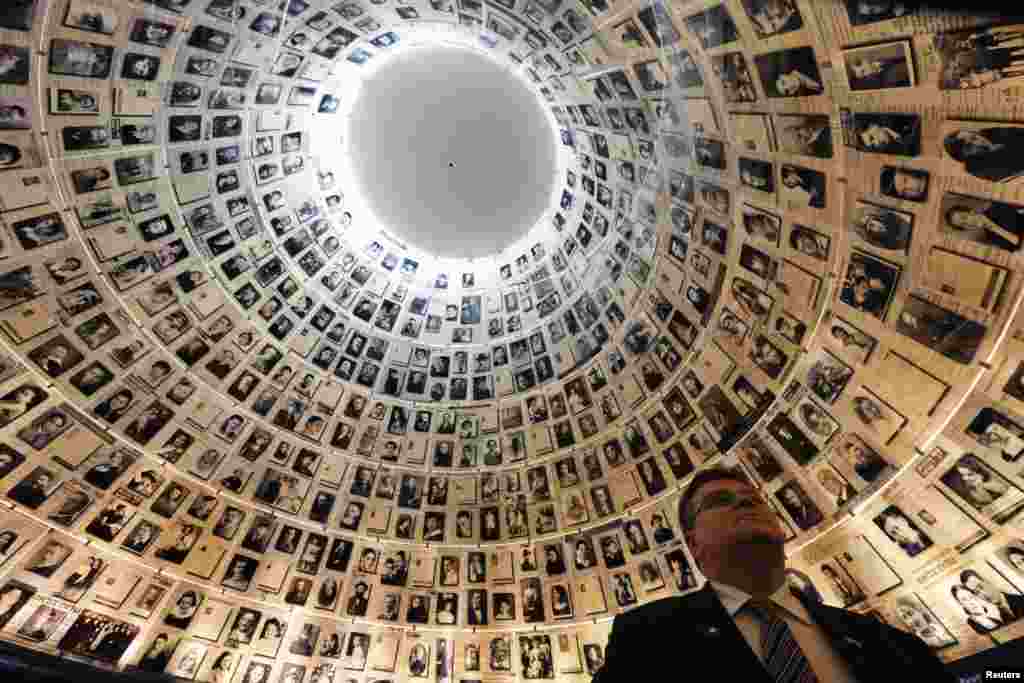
(451, 149)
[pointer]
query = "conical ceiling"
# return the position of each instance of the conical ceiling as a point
(376, 341)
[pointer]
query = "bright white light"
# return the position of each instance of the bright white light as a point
(328, 133)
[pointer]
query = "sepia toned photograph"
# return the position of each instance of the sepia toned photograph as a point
(790, 73)
(869, 284)
(879, 67)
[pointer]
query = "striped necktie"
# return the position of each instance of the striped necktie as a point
(781, 654)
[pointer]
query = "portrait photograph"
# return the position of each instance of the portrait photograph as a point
(841, 584)
(985, 150)
(804, 134)
(918, 618)
(906, 184)
(114, 635)
(814, 420)
(878, 417)
(891, 134)
(982, 221)
(790, 73)
(720, 413)
(75, 58)
(773, 17)
(882, 228)
(87, 16)
(239, 573)
(36, 488)
(869, 284)
(140, 67)
(713, 27)
(769, 357)
(757, 175)
(802, 187)
(154, 33)
(14, 64)
(998, 433)
(880, 67)
(984, 598)
(800, 508)
(984, 489)
(980, 58)
(734, 77)
(210, 39)
(15, 113)
(758, 456)
(14, 595)
(654, 18)
(940, 329)
(797, 444)
(43, 622)
(850, 340)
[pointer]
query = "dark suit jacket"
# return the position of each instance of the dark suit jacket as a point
(695, 630)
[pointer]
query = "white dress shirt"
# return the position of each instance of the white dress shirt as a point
(825, 661)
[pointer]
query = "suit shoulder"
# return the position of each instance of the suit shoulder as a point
(651, 612)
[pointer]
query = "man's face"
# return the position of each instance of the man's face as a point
(718, 527)
(900, 529)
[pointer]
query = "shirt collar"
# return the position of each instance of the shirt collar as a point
(733, 599)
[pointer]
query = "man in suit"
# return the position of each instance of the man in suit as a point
(477, 608)
(737, 542)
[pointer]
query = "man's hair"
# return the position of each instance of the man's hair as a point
(687, 516)
(967, 574)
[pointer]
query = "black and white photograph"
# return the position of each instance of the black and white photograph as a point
(804, 134)
(790, 73)
(789, 436)
(997, 432)
(940, 329)
(880, 67)
(14, 64)
(903, 531)
(773, 17)
(982, 221)
(874, 415)
(75, 58)
(869, 284)
(883, 228)
(980, 58)
(850, 340)
(890, 134)
(734, 77)
(985, 150)
(906, 184)
(802, 187)
(828, 376)
(713, 27)
(88, 16)
(983, 488)
(804, 512)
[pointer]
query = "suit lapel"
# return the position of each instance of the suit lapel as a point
(717, 639)
(853, 641)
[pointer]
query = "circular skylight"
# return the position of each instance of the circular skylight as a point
(452, 150)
